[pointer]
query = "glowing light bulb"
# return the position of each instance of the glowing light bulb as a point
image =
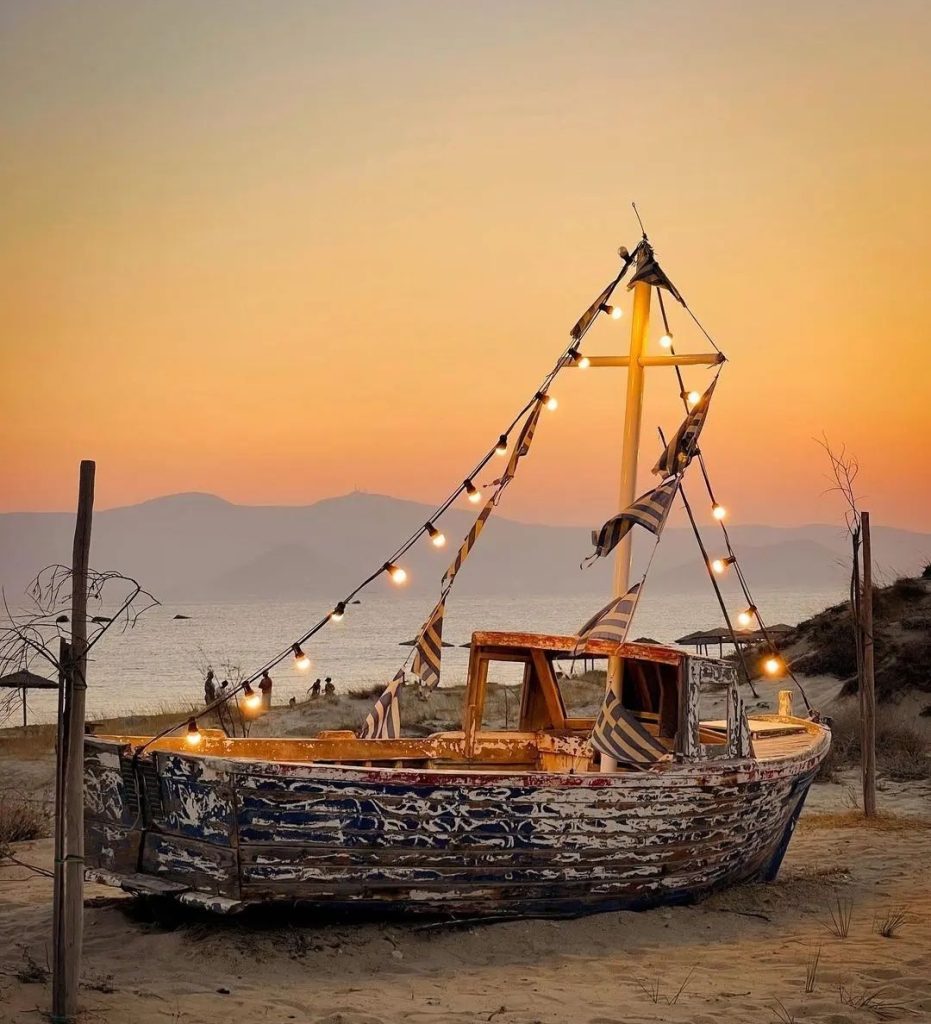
(338, 612)
(666, 341)
(718, 511)
(501, 448)
(615, 312)
(474, 494)
(397, 574)
(745, 618)
(773, 666)
(437, 538)
(548, 400)
(193, 737)
(693, 398)
(301, 661)
(251, 699)
(583, 362)
(719, 565)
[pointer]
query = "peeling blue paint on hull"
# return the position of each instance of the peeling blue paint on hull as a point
(226, 833)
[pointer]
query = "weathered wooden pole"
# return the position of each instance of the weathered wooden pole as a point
(67, 971)
(627, 491)
(64, 690)
(868, 682)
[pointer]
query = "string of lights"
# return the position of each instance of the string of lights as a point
(571, 356)
(773, 664)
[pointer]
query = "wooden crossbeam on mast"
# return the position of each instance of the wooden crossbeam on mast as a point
(690, 359)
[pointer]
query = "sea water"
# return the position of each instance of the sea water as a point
(162, 660)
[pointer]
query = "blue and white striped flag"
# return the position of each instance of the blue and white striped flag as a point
(428, 650)
(649, 511)
(612, 622)
(383, 722)
(684, 443)
(619, 735)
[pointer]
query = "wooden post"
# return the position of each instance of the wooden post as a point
(25, 723)
(64, 691)
(68, 941)
(627, 492)
(867, 682)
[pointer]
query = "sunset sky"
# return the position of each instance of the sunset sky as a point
(282, 251)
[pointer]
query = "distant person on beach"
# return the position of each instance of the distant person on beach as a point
(292, 703)
(265, 688)
(210, 688)
(328, 688)
(315, 689)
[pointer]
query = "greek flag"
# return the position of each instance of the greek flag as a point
(471, 537)
(619, 735)
(650, 272)
(524, 438)
(585, 320)
(429, 647)
(684, 443)
(612, 622)
(383, 722)
(649, 510)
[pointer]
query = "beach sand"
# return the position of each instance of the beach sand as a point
(738, 957)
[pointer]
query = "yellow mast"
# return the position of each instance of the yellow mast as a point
(635, 362)
(633, 418)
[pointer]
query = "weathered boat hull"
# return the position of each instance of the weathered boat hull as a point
(226, 833)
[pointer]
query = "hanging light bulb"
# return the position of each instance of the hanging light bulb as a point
(774, 665)
(719, 565)
(474, 494)
(548, 400)
(745, 618)
(250, 698)
(301, 661)
(693, 398)
(338, 612)
(193, 737)
(582, 362)
(615, 312)
(501, 448)
(437, 538)
(718, 511)
(666, 341)
(397, 574)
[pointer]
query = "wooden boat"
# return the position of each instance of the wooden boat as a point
(483, 821)
(471, 822)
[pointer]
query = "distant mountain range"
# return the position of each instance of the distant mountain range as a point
(200, 547)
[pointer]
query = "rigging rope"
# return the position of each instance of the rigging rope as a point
(567, 357)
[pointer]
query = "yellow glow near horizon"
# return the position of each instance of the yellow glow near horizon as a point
(223, 262)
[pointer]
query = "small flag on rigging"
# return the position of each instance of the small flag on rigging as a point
(649, 510)
(428, 650)
(612, 622)
(650, 272)
(383, 722)
(585, 320)
(684, 443)
(619, 735)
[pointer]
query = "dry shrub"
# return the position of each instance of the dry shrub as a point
(22, 818)
(903, 745)
(366, 692)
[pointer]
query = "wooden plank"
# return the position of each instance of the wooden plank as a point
(200, 865)
(489, 641)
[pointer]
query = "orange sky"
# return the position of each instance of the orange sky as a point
(280, 251)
